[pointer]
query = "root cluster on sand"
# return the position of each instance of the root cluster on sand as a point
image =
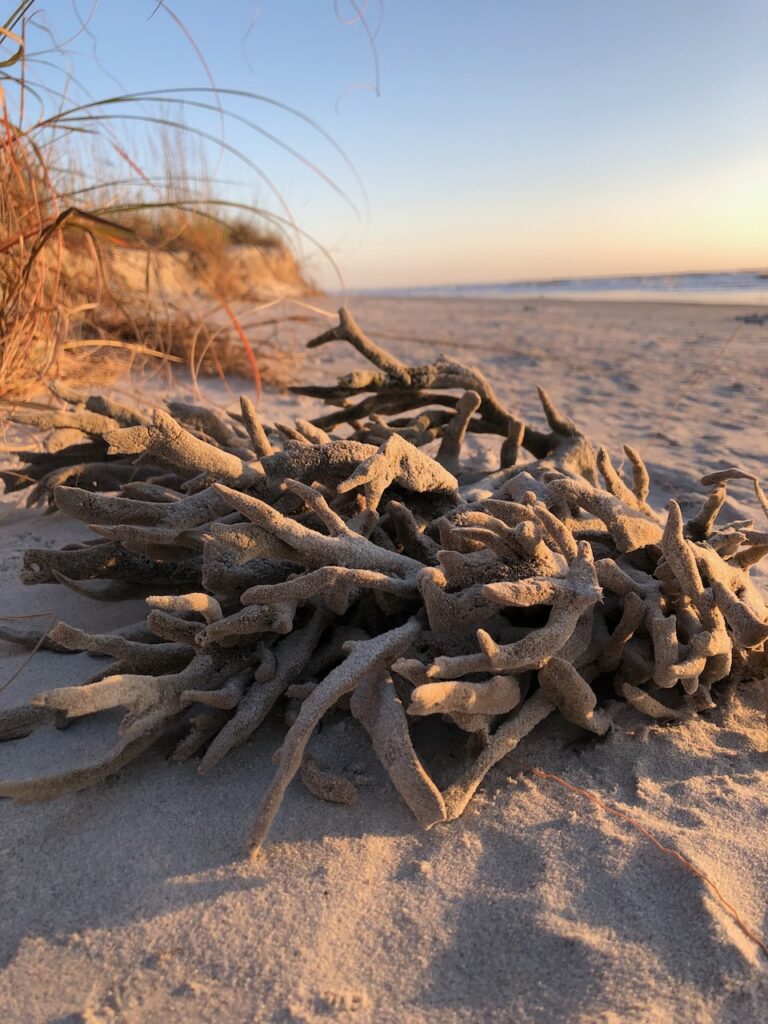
(292, 565)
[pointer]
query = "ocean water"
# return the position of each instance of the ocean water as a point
(744, 287)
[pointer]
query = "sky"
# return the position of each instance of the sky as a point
(489, 141)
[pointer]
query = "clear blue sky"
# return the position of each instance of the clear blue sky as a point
(510, 139)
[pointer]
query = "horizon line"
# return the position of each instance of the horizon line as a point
(560, 279)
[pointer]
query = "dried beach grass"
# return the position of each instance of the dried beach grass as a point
(101, 262)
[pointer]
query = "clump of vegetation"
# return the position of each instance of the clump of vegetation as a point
(291, 566)
(99, 261)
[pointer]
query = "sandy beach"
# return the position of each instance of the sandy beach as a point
(131, 902)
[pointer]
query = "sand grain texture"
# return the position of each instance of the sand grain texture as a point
(130, 901)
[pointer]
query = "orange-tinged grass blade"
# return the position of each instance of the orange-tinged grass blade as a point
(32, 653)
(667, 850)
(246, 345)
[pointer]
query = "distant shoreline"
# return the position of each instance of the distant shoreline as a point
(734, 287)
(744, 300)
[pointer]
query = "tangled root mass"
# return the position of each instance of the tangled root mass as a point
(302, 564)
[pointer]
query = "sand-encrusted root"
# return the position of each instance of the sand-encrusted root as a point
(250, 621)
(313, 549)
(455, 431)
(334, 584)
(183, 514)
(495, 696)
(274, 675)
(349, 330)
(140, 657)
(364, 658)
(136, 692)
(107, 561)
(723, 475)
(700, 526)
(572, 696)
(48, 419)
(48, 787)
(325, 785)
(616, 486)
(20, 721)
(203, 726)
(569, 597)
(202, 604)
(401, 463)
(501, 743)
(167, 440)
(376, 706)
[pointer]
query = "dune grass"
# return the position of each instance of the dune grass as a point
(100, 261)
